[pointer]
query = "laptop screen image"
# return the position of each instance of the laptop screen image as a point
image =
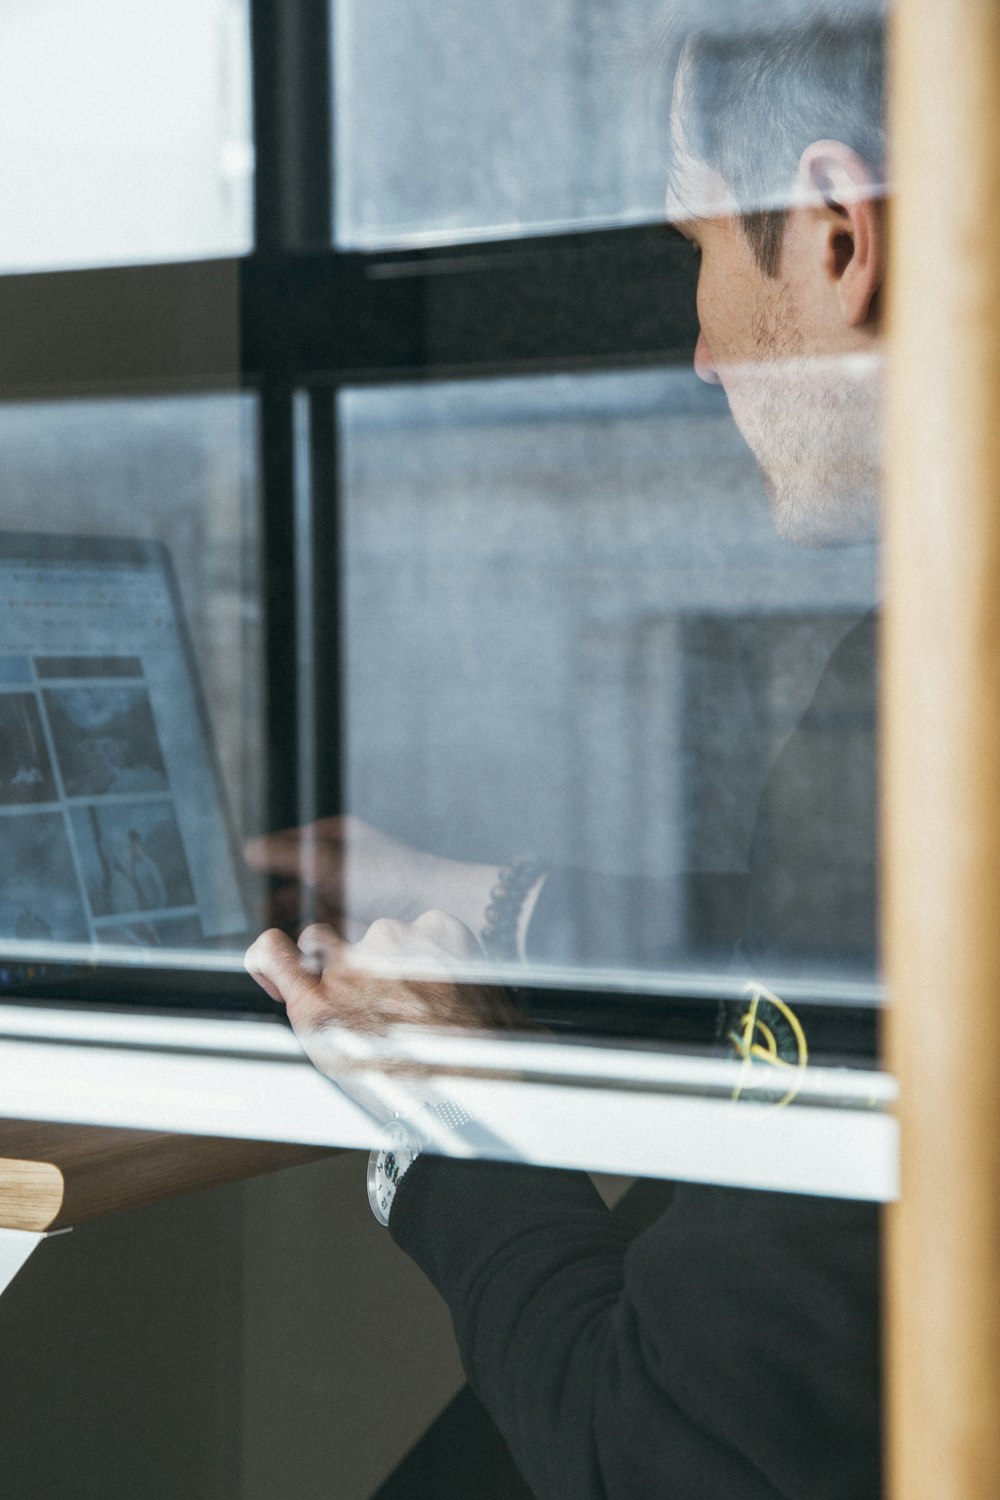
(116, 851)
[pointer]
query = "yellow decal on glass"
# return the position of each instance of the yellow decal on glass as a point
(769, 1035)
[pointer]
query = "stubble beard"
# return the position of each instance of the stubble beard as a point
(813, 429)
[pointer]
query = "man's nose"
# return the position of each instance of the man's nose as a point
(703, 366)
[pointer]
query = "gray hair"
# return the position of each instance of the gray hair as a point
(762, 80)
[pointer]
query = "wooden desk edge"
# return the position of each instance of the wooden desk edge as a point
(56, 1176)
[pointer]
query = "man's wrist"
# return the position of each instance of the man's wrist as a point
(527, 912)
(464, 889)
(440, 1124)
(388, 1165)
(508, 913)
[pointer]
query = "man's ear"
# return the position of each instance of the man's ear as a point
(847, 194)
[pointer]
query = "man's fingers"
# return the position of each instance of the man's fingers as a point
(320, 943)
(312, 854)
(274, 853)
(281, 969)
(451, 934)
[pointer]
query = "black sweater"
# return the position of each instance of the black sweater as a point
(727, 1352)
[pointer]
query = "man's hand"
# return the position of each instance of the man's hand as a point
(347, 873)
(327, 984)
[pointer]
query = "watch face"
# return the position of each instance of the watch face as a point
(386, 1166)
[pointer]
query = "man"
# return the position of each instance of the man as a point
(730, 1348)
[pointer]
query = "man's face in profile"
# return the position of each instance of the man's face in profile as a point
(801, 377)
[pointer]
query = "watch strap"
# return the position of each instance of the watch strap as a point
(388, 1164)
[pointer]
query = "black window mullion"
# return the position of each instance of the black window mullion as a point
(320, 594)
(293, 177)
(290, 48)
(280, 619)
(598, 300)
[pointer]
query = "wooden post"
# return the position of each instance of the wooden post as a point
(941, 727)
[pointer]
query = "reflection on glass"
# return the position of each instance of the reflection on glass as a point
(580, 654)
(610, 716)
(117, 828)
(455, 120)
(126, 131)
(132, 804)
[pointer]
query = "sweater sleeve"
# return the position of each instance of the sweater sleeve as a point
(728, 1350)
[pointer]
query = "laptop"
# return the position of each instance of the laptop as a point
(120, 877)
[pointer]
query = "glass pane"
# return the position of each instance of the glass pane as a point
(129, 606)
(575, 634)
(456, 120)
(126, 131)
(609, 724)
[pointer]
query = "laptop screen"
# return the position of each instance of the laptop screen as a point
(114, 829)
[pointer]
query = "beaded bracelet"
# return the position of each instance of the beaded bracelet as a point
(499, 934)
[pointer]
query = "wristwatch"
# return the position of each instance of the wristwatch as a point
(389, 1162)
(386, 1166)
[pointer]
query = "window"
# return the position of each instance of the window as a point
(456, 122)
(572, 628)
(466, 549)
